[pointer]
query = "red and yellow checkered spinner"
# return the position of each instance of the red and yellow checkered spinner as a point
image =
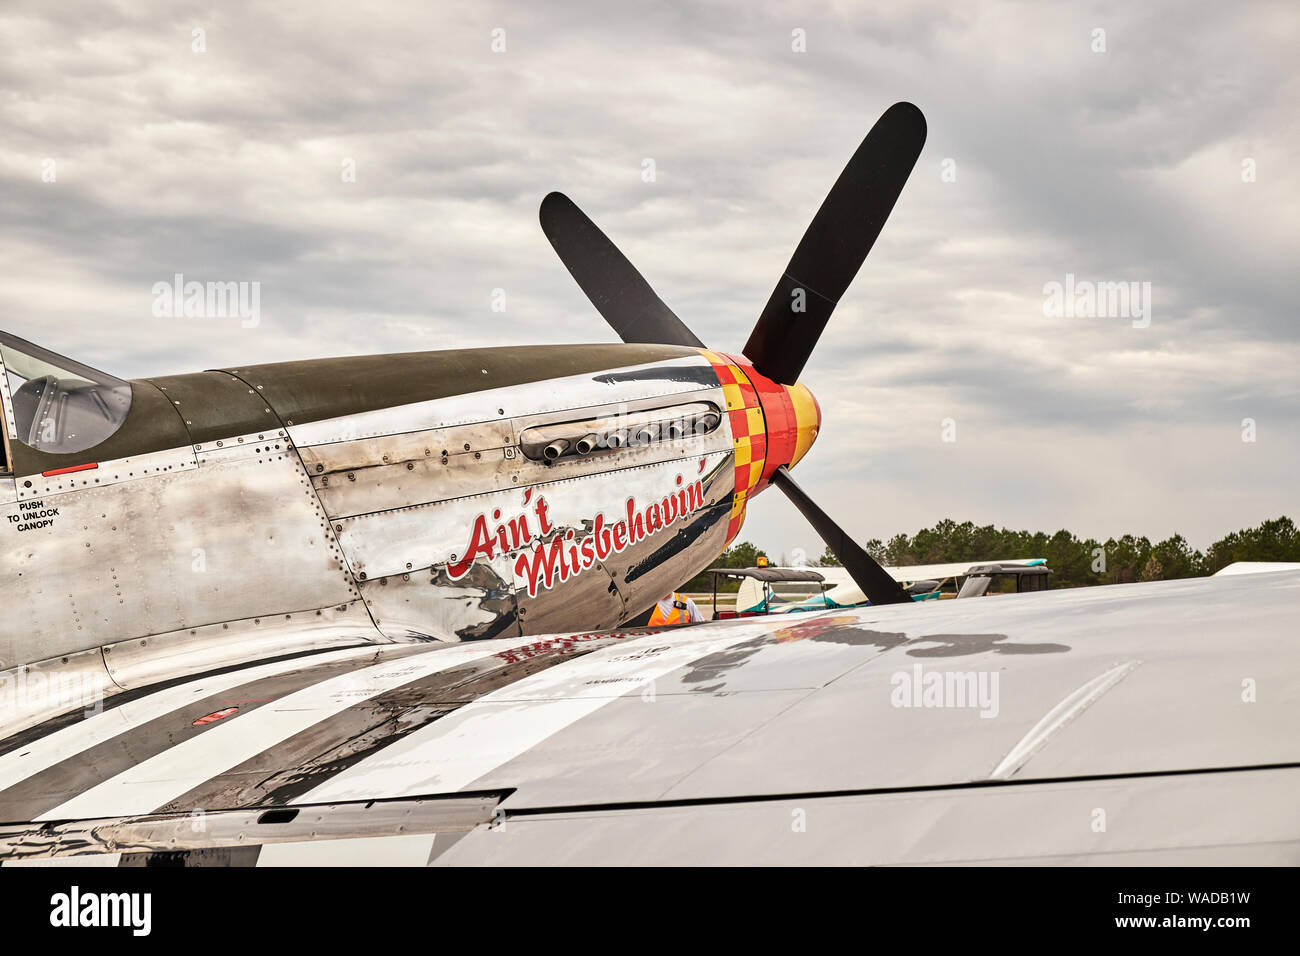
(771, 425)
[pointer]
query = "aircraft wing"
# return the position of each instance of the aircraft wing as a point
(841, 589)
(1144, 723)
(925, 572)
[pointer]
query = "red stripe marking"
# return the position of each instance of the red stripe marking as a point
(68, 471)
(213, 717)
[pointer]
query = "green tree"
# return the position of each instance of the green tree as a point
(1177, 559)
(1273, 540)
(1126, 558)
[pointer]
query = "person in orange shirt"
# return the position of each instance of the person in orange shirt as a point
(675, 609)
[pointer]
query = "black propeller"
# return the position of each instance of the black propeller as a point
(873, 580)
(835, 245)
(611, 282)
(824, 263)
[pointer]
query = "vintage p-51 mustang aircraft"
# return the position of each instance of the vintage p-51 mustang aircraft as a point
(369, 610)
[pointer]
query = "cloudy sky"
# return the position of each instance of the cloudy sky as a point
(1165, 158)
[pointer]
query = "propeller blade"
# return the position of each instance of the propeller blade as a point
(611, 282)
(873, 580)
(835, 244)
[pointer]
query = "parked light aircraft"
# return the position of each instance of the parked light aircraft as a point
(922, 581)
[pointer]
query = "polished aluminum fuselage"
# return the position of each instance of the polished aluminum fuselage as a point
(355, 525)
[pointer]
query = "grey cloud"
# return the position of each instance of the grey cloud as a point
(1123, 165)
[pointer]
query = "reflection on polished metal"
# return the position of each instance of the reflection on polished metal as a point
(616, 426)
(182, 544)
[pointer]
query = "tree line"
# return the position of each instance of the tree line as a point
(1075, 562)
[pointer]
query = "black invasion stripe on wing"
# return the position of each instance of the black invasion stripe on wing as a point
(88, 768)
(24, 737)
(300, 763)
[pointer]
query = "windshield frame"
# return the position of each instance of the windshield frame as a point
(98, 383)
(10, 430)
